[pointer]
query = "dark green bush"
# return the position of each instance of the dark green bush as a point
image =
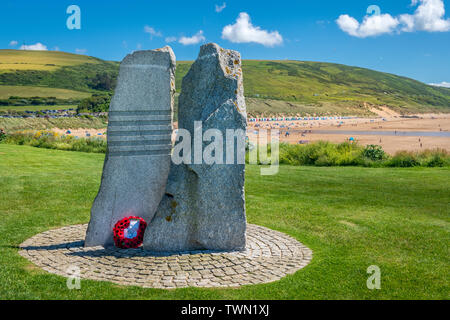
(435, 158)
(374, 153)
(403, 159)
(351, 154)
(321, 154)
(103, 81)
(96, 103)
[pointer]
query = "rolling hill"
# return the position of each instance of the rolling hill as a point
(271, 87)
(53, 69)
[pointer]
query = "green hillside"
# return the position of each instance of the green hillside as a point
(36, 91)
(40, 60)
(325, 87)
(271, 87)
(54, 69)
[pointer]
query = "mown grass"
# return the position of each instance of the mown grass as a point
(350, 217)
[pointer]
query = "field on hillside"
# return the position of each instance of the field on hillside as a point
(53, 69)
(352, 218)
(257, 107)
(40, 61)
(31, 91)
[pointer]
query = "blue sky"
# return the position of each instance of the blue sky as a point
(408, 37)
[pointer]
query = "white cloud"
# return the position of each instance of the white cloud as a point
(37, 47)
(371, 26)
(139, 46)
(429, 16)
(81, 51)
(348, 24)
(442, 84)
(171, 39)
(197, 38)
(13, 43)
(220, 8)
(56, 48)
(243, 31)
(152, 32)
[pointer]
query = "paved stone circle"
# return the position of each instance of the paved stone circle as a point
(269, 256)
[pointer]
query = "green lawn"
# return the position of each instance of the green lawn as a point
(350, 217)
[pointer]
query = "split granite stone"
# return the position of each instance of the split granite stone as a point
(204, 205)
(137, 161)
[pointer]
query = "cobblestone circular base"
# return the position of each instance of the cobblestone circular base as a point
(269, 256)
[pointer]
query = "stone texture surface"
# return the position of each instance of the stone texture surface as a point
(269, 256)
(204, 204)
(137, 161)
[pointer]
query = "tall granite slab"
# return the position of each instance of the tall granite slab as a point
(137, 161)
(204, 204)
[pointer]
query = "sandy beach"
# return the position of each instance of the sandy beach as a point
(388, 129)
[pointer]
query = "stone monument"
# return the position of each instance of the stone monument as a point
(204, 204)
(199, 204)
(137, 161)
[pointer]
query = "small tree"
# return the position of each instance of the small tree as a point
(103, 81)
(374, 152)
(96, 103)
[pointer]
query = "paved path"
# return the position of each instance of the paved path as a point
(269, 256)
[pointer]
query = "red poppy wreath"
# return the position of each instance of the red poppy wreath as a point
(129, 232)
